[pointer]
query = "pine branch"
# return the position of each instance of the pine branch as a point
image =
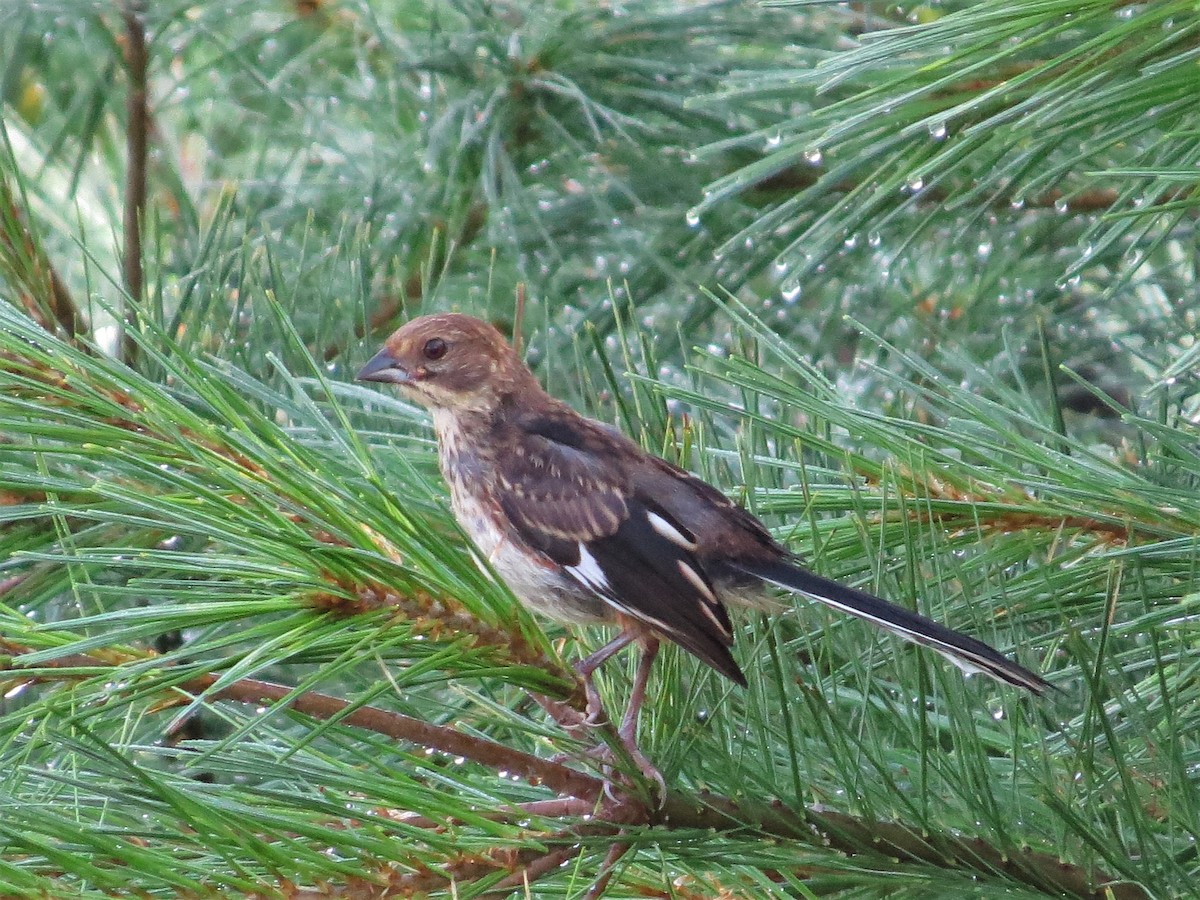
(587, 797)
(316, 705)
(823, 827)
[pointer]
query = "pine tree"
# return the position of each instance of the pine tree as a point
(915, 285)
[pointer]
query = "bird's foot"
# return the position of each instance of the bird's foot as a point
(567, 717)
(595, 708)
(647, 768)
(586, 669)
(615, 767)
(628, 735)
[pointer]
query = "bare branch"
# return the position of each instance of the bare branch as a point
(138, 126)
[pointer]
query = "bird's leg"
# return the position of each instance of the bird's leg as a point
(629, 722)
(628, 729)
(587, 666)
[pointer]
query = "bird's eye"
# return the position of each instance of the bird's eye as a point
(435, 348)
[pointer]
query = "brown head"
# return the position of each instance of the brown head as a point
(449, 361)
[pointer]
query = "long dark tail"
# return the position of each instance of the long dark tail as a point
(967, 653)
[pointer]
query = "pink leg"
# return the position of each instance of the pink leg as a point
(588, 665)
(628, 730)
(629, 724)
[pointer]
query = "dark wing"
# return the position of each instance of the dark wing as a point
(728, 530)
(568, 485)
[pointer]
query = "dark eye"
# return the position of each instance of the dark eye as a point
(435, 348)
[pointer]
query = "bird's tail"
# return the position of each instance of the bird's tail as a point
(967, 653)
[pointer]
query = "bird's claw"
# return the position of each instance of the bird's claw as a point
(595, 710)
(565, 716)
(609, 760)
(649, 771)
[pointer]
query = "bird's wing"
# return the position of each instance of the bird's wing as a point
(567, 489)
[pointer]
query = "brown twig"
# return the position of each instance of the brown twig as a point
(558, 808)
(136, 139)
(1008, 510)
(11, 582)
(398, 726)
(44, 294)
(62, 305)
(607, 869)
(531, 870)
(386, 880)
(437, 616)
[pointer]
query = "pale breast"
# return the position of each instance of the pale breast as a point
(531, 576)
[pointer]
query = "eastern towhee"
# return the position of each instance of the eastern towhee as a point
(585, 526)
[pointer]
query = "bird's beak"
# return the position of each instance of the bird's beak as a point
(384, 367)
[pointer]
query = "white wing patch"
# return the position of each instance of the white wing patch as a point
(709, 604)
(588, 573)
(669, 531)
(697, 581)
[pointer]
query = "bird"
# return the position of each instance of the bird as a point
(584, 526)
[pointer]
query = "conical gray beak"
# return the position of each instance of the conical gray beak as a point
(384, 368)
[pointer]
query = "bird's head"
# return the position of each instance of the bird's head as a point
(449, 361)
